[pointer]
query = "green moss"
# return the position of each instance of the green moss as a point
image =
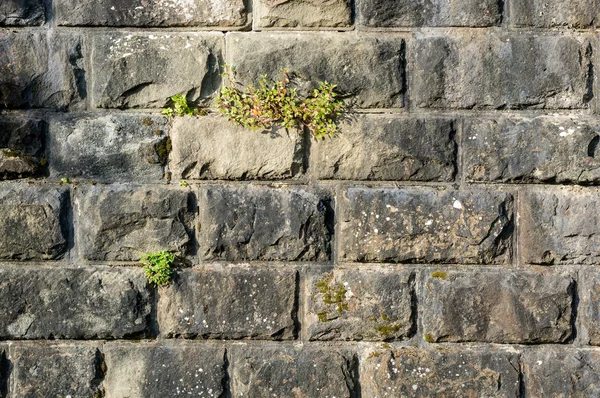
(386, 345)
(429, 338)
(323, 316)
(158, 132)
(385, 317)
(439, 275)
(43, 162)
(162, 149)
(375, 354)
(147, 122)
(335, 295)
(388, 330)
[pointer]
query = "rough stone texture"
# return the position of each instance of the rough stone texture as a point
(33, 222)
(364, 304)
(211, 147)
(407, 13)
(538, 149)
(443, 372)
(262, 223)
(123, 223)
(41, 303)
(111, 148)
(52, 370)
(465, 69)
(41, 70)
(230, 13)
(21, 12)
(388, 148)
(169, 370)
(303, 13)
(497, 307)
(367, 68)
(292, 371)
(21, 147)
(145, 70)
(557, 372)
(230, 303)
(5, 369)
(579, 14)
(560, 227)
(416, 225)
(589, 306)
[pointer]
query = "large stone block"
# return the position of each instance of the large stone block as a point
(21, 12)
(468, 69)
(538, 149)
(262, 223)
(111, 148)
(144, 70)
(589, 305)
(560, 226)
(388, 148)
(223, 14)
(56, 370)
(443, 373)
(303, 13)
(497, 307)
(41, 70)
(211, 147)
(33, 222)
(578, 14)
(230, 303)
(368, 68)
(145, 370)
(123, 223)
(78, 303)
(409, 13)
(415, 225)
(372, 305)
(292, 371)
(21, 147)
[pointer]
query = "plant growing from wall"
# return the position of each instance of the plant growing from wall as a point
(158, 267)
(180, 107)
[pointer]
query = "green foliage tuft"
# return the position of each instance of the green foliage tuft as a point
(181, 107)
(158, 267)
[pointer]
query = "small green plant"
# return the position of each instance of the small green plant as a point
(277, 103)
(181, 107)
(183, 183)
(64, 180)
(158, 267)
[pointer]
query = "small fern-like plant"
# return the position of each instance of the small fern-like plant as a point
(181, 107)
(158, 267)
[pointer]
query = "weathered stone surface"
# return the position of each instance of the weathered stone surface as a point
(303, 13)
(370, 305)
(408, 13)
(589, 306)
(53, 370)
(74, 303)
(458, 69)
(21, 12)
(579, 14)
(388, 148)
(5, 369)
(292, 371)
(33, 222)
(558, 372)
(211, 147)
(560, 226)
(497, 307)
(443, 373)
(21, 147)
(144, 370)
(145, 70)
(262, 223)
(122, 223)
(109, 148)
(230, 303)
(415, 225)
(143, 13)
(41, 70)
(366, 67)
(539, 149)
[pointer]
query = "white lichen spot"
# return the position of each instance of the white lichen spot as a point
(457, 205)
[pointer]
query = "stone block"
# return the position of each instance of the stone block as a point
(22, 13)
(577, 14)
(303, 14)
(415, 225)
(589, 305)
(230, 303)
(5, 369)
(22, 151)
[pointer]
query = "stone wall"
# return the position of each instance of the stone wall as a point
(445, 244)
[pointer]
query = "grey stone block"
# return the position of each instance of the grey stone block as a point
(22, 151)
(589, 305)
(135, 70)
(414, 225)
(303, 13)
(41, 303)
(262, 223)
(145, 370)
(497, 307)
(111, 148)
(442, 372)
(387, 148)
(578, 14)
(21, 12)
(367, 68)
(33, 222)
(211, 147)
(230, 303)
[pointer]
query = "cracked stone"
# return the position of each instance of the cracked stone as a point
(21, 13)
(303, 13)
(22, 152)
